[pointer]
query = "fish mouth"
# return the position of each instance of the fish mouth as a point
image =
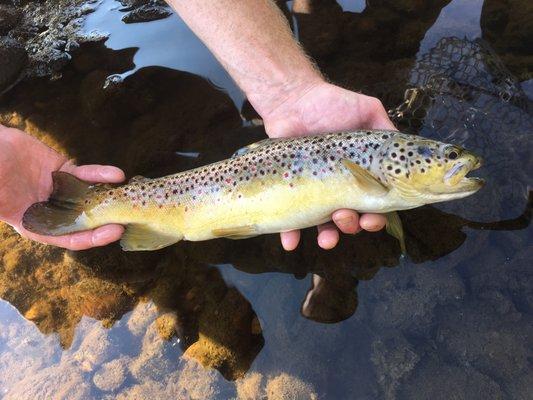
(456, 177)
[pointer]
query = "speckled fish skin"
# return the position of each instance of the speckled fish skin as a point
(283, 184)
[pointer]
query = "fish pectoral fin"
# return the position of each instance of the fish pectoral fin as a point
(394, 228)
(143, 237)
(237, 232)
(365, 179)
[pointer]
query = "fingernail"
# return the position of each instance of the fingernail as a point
(344, 220)
(110, 173)
(103, 236)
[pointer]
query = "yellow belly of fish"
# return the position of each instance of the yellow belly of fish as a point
(256, 209)
(277, 208)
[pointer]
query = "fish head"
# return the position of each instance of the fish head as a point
(427, 171)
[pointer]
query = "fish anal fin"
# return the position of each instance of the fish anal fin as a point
(143, 237)
(365, 179)
(394, 228)
(238, 232)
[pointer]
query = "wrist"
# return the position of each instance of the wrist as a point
(269, 98)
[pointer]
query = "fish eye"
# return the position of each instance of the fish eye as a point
(452, 153)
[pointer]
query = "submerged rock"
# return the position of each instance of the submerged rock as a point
(110, 376)
(250, 387)
(394, 359)
(284, 387)
(154, 361)
(145, 390)
(195, 382)
(438, 381)
(95, 349)
(141, 317)
(61, 382)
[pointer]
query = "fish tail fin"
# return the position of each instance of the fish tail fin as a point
(60, 215)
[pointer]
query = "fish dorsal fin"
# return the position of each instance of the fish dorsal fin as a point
(253, 146)
(395, 229)
(365, 179)
(142, 237)
(237, 232)
(138, 178)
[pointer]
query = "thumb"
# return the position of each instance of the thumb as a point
(95, 173)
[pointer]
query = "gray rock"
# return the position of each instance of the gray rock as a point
(9, 17)
(146, 13)
(13, 59)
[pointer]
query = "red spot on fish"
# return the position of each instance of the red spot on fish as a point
(286, 174)
(228, 180)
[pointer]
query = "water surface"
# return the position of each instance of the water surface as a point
(243, 319)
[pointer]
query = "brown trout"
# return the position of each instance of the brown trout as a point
(272, 186)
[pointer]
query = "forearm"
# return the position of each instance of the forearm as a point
(254, 43)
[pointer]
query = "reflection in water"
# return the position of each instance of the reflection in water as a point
(164, 308)
(169, 43)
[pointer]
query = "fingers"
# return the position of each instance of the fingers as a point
(372, 222)
(101, 236)
(383, 122)
(347, 221)
(95, 173)
(290, 240)
(328, 236)
(378, 117)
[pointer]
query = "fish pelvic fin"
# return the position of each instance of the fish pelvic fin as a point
(395, 229)
(236, 232)
(62, 213)
(143, 237)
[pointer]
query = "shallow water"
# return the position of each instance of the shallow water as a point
(228, 319)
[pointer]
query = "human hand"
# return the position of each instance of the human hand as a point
(321, 108)
(26, 167)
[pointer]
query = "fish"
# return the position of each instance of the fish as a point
(275, 185)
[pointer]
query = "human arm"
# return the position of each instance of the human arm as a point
(26, 167)
(253, 42)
